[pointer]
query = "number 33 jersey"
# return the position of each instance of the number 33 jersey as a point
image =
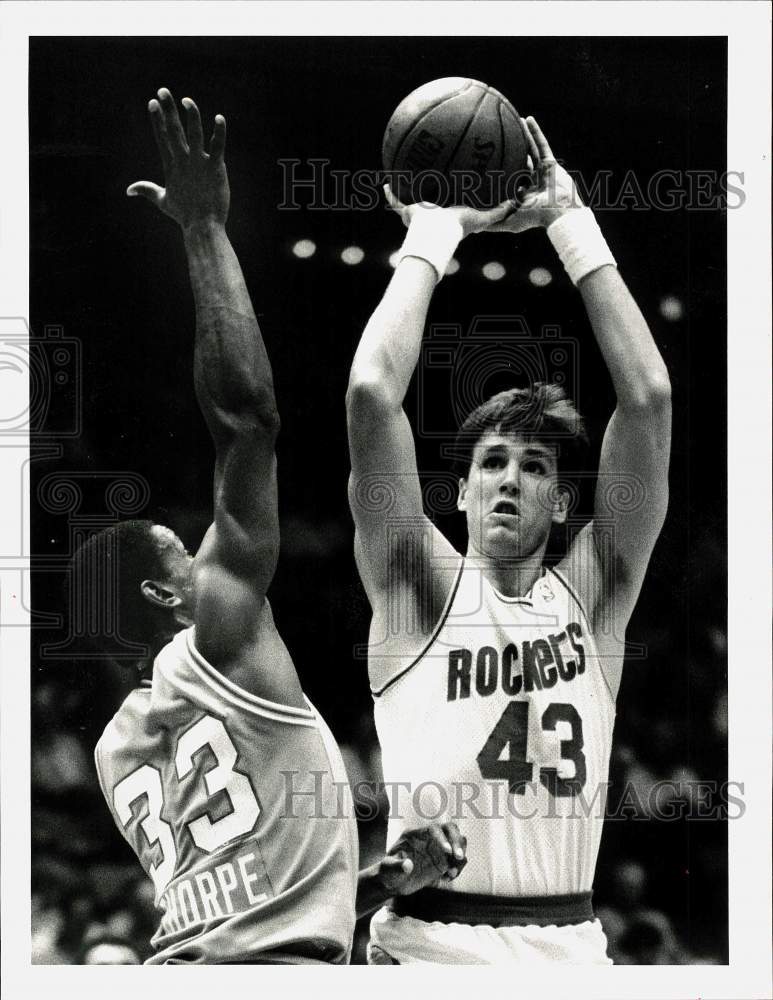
(504, 724)
(238, 810)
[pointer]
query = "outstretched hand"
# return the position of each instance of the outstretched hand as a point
(195, 181)
(552, 194)
(424, 857)
(472, 220)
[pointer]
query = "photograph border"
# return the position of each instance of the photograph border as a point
(746, 25)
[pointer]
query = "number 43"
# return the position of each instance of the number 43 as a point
(511, 732)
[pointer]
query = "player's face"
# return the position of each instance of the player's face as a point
(510, 495)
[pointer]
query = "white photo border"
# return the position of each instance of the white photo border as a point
(747, 26)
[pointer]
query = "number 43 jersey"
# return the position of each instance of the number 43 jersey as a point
(504, 724)
(238, 809)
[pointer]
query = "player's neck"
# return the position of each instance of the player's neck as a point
(512, 576)
(143, 666)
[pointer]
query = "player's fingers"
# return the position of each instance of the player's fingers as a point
(146, 189)
(177, 140)
(217, 142)
(393, 869)
(440, 837)
(533, 150)
(395, 862)
(543, 146)
(392, 199)
(396, 205)
(159, 132)
(456, 840)
(193, 121)
(498, 214)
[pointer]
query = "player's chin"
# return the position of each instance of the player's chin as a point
(502, 541)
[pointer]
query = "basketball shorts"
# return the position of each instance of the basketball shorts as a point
(407, 940)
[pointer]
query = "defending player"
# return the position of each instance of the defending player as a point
(218, 771)
(494, 677)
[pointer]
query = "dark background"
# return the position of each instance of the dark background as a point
(111, 273)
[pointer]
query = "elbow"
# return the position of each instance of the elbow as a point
(261, 419)
(368, 394)
(658, 391)
(269, 422)
(653, 394)
(239, 406)
(256, 407)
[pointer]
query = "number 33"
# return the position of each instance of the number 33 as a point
(207, 835)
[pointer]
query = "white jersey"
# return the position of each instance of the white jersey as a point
(504, 724)
(238, 808)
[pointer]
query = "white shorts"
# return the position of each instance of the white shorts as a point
(406, 940)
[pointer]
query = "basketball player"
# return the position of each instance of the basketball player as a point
(495, 678)
(219, 773)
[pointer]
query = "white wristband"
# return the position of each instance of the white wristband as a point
(579, 243)
(433, 235)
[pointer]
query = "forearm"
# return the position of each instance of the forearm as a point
(372, 891)
(231, 367)
(638, 372)
(215, 272)
(390, 346)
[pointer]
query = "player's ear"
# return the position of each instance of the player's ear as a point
(159, 595)
(461, 500)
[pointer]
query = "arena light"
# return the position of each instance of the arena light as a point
(671, 308)
(352, 255)
(494, 271)
(540, 276)
(304, 248)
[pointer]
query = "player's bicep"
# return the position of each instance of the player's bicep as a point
(227, 610)
(237, 558)
(245, 536)
(384, 488)
(631, 495)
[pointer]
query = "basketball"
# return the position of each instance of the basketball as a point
(455, 141)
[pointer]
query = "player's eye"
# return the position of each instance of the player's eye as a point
(535, 467)
(493, 462)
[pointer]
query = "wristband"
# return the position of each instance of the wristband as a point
(433, 235)
(579, 243)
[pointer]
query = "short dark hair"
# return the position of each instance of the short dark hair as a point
(542, 412)
(106, 572)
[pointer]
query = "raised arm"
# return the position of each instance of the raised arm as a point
(384, 485)
(632, 489)
(236, 561)
(384, 480)
(609, 559)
